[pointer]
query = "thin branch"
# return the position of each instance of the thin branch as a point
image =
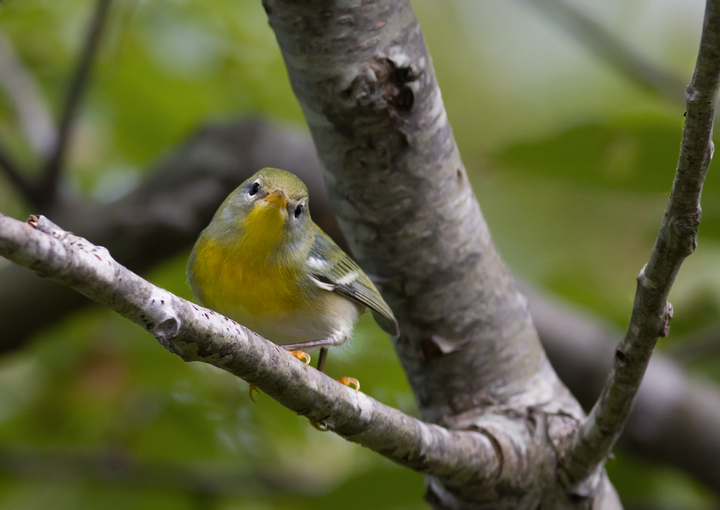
(677, 239)
(49, 184)
(26, 97)
(199, 334)
(606, 45)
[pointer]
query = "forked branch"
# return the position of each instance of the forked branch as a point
(676, 240)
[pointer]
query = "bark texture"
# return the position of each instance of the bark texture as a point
(365, 82)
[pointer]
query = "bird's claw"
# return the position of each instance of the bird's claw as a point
(253, 388)
(347, 381)
(302, 356)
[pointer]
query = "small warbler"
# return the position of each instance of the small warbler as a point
(264, 263)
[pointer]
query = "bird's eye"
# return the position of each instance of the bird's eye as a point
(298, 211)
(254, 188)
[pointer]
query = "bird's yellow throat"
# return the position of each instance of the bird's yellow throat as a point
(262, 232)
(247, 271)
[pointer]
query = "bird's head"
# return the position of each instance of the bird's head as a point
(272, 204)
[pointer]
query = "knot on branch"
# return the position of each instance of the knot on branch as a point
(398, 79)
(166, 330)
(437, 346)
(686, 228)
(383, 93)
(621, 357)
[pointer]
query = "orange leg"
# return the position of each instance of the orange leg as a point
(253, 388)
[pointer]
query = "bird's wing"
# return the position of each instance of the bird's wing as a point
(334, 270)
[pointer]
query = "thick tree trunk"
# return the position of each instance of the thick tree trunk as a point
(366, 84)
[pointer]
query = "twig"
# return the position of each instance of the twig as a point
(26, 97)
(677, 239)
(199, 334)
(611, 49)
(47, 188)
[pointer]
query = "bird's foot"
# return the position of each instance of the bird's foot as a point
(302, 356)
(347, 381)
(253, 388)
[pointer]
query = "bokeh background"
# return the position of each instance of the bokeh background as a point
(571, 159)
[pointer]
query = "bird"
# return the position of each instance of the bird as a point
(264, 263)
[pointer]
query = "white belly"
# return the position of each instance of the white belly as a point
(306, 325)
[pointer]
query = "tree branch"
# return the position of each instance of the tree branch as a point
(198, 334)
(219, 157)
(47, 188)
(366, 84)
(677, 239)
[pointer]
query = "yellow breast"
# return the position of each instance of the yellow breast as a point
(240, 277)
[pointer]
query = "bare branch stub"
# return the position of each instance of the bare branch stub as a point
(676, 240)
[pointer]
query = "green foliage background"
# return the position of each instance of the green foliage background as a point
(572, 165)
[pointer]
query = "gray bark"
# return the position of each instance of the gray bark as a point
(365, 82)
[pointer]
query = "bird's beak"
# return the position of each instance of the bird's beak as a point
(277, 198)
